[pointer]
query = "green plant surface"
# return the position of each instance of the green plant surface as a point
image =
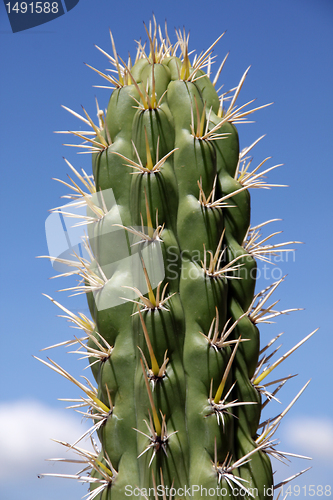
(170, 277)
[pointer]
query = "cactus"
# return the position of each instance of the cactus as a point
(169, 270)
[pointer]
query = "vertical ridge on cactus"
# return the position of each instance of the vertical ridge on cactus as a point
(170, 272)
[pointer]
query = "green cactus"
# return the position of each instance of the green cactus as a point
(170, 273)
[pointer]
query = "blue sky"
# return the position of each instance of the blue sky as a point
(288, 44)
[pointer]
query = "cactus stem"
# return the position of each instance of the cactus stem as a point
(171, 100)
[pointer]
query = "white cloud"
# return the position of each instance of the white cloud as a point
(26, 432)
(312, 435)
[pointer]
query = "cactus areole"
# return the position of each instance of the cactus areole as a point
(169, 272)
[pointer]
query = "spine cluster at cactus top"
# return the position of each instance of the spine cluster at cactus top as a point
(169, 270)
